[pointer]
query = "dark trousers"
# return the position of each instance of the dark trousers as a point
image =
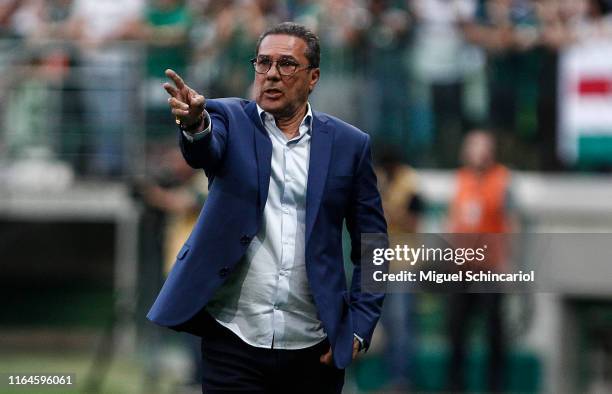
(230, 365)
(464, 306)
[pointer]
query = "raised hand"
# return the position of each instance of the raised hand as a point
(186, 104)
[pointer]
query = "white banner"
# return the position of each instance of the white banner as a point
(585, 103)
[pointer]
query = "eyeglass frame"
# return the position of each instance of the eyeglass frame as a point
(253, 61)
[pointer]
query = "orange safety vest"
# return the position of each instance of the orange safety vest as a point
(479, 206)
(480, 201)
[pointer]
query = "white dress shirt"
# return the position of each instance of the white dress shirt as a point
(267, 300)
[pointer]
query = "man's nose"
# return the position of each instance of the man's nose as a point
(273, 73)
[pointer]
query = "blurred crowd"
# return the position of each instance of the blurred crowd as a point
(82, 78)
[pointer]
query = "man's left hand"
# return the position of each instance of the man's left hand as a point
(328, 359)
(356, 347)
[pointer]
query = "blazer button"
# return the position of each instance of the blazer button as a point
(223, 272)
(245, 240)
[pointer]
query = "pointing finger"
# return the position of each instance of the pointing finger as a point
(178, 81)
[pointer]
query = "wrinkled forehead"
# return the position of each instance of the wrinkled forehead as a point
(282, 45)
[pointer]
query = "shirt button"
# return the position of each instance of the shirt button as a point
(223, 272)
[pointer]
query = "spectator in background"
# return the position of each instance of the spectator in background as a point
(565, 23)
(228, 30)
(179, 191)
(31, 18)
(207, 44)
(398, 185)
(481, 204)
(34, 20)
(508, 31)
(403, 208)
(165, 31)
(340, 24)
(306, 12)
(29, 128)
(443, 64)
(33, 85)
(173, 196)
(101, 28)
(597, 20)
(380, 61)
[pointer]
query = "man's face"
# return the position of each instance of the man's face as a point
(479, 150)
(278, 94)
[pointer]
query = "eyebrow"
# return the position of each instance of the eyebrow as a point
(282, 57)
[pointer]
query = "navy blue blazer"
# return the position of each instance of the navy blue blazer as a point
(341, 185)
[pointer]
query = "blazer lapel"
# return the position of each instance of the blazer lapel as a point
(320, 154)
(263, 153)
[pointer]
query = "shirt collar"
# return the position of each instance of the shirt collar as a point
(306, 121)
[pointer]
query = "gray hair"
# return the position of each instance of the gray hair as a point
(313, 53)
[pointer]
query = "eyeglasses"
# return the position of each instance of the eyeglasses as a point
(285, 67)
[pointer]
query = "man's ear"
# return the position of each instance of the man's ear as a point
(314, 78)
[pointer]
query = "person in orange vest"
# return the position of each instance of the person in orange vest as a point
(482, 205)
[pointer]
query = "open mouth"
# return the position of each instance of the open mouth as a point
(273, 93)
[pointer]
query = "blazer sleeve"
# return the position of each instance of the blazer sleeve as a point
(208, 151)
(365, 215)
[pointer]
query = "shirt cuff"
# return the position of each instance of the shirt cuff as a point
(192, 137)
(361, 343)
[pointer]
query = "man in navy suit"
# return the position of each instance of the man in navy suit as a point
(261, 277)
